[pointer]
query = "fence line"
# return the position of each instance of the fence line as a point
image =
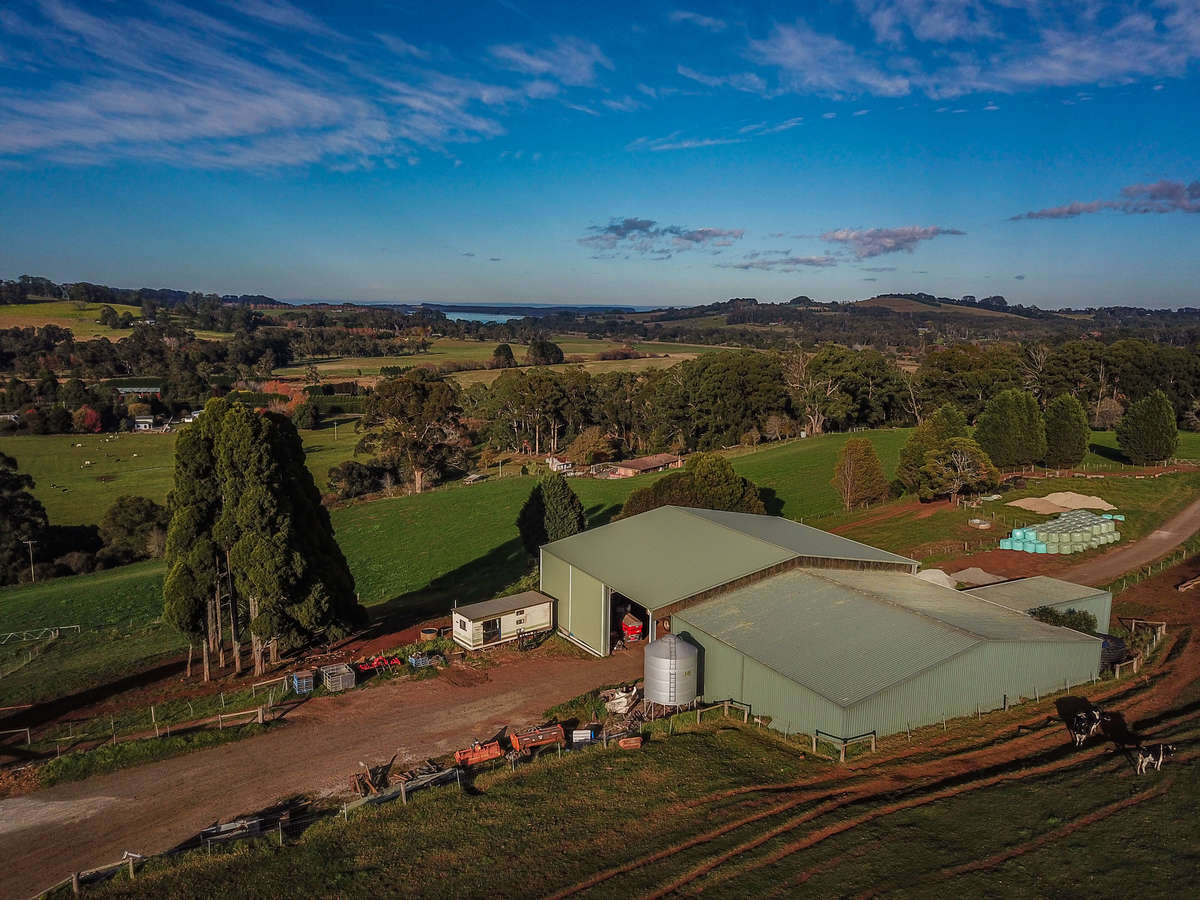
(36, 634)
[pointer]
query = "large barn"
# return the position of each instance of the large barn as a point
(814, 630)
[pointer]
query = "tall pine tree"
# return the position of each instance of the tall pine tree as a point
(551, 512)
(1011, 429)
(1147, 433)
(1067, 432)
(244, 501)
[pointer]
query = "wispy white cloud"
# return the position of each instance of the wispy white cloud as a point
(673, 141)
(170, 84)
(810, 62)
(868, 242)
(708, 23)
(741, 81)
(569, 60)
(950, 48)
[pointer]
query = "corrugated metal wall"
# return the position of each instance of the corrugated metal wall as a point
(978, 678)
(1099, 606)
(726, 673)
(582, 612)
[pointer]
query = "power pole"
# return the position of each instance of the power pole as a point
(32, 574)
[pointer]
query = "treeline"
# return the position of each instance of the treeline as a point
(35, 289)
(728, 398)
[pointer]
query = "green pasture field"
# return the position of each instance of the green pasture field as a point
(558, 821)
(80, 319)
(75, 494)
(455, 350)
(595, 367)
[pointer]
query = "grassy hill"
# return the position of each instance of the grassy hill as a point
(79, 318)
(906, 305)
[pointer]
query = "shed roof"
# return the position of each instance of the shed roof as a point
(1039, 590)
(498, 606)
(848, 635)
(672, 552)
(645, 463)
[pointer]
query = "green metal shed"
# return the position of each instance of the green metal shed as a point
(1027, 594)
(851, 652)
(670, 557)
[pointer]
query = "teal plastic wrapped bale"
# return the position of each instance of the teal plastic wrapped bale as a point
(1006, 543)
(1120, 517)
(1039, 547)
(1018, 534)
(1028, 546)
(1107, 516)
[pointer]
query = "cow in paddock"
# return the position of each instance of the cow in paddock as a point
(1084, 725)
(1154, 755)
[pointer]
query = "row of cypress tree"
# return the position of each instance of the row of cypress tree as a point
(250, 549)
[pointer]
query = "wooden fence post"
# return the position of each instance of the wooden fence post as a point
(75, 883)
(131, 875)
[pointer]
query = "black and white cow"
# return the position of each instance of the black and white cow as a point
(1084, 725)
(1154, 755)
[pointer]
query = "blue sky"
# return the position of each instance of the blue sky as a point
(649, 153)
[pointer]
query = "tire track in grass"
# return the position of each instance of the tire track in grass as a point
(827, 866)
(706, 837)
(998, 859)
(816, 837)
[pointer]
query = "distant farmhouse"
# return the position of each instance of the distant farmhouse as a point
(814, 630)
(659, 462)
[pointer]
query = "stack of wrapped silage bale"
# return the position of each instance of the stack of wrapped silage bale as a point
(1071, 532)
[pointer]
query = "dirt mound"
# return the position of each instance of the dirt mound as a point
(937, 576)
(1061, 501)
(976, 576)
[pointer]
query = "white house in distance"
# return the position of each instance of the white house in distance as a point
(143, 423)
(477, 626)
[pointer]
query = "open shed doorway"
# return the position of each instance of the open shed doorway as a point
(629, 622)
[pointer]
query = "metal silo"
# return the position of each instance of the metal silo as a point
(671, 669)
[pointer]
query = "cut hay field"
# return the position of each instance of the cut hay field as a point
(79, 319)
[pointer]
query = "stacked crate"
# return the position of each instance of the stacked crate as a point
(1071, 532)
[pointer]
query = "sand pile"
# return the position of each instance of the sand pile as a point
(937, 576)
(1060, 502)
(976, 576)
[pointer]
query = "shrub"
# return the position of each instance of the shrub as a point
(502, 357)
(707, 482)
(1076, 619)
(544, 353)
(132, 528)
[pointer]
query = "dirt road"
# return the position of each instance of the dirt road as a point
(47, 835)
(1128, 558)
